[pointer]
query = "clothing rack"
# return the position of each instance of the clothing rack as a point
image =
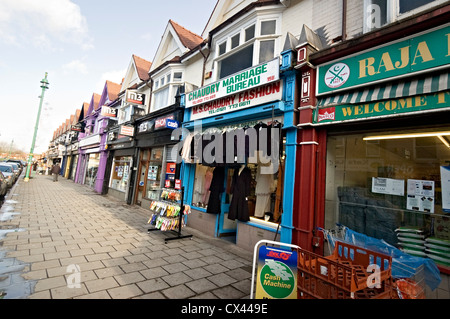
(180, 221)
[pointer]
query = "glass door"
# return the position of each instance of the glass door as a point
(227, 227)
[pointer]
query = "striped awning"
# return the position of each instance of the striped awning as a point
(389, 90)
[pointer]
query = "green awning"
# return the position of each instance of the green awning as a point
(390, 90)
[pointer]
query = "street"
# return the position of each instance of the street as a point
(61, 240)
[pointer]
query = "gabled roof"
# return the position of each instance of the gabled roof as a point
(142, 67)
(175, 42)
(189, 39)
(113, 90)
(138, 68)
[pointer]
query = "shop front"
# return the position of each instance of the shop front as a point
(382, 128)
(121, 163)
(88, 161)
(157, 166)
(237, 159)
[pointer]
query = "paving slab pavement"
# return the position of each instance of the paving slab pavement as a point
(61, 240)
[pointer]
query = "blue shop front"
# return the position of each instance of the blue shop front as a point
(238, 155)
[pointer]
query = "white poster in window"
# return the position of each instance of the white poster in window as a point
(420, 195)
(445, 188)
(388, 186)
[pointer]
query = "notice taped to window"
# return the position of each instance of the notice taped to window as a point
(388, 186)
(420, 195)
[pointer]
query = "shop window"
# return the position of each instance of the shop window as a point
(379, 186)
(92, 169)
(120, 173)
(154, 171)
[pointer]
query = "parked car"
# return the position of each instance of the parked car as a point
(18, 162)
(8, 172)
(15, 170)
(3, 186)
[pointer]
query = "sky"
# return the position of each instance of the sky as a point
(81, 44)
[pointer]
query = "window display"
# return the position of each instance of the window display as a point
(260, 189)
(391, 187)
(121, 172)
(92, 168)
(154, 171)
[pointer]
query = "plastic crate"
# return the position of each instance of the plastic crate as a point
(344, 274)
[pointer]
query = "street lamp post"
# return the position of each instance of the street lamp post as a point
(44, 86)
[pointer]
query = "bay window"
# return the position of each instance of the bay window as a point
(165, 88)
(254, 43)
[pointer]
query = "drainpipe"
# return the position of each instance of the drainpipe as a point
(344, 20)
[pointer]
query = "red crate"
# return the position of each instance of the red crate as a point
(343, 275)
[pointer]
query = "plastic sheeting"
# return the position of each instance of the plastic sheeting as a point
(403, 265)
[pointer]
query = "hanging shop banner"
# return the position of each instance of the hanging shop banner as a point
(383, 108)
(252, 77)
(235, 102)
(415, 54)
(134, 97)
(108, 111)
(277, 273)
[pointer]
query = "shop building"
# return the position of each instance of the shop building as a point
(247, 90)
(157, 165)
(89, 145)
(72, 146)
(373, 138)
(132, 103)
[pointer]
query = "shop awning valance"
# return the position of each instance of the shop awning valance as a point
(390, 90)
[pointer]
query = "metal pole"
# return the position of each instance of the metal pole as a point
(44, 86)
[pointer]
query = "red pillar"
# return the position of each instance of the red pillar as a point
(310, 172)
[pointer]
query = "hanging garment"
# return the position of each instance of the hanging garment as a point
(265, 186)
(186, 151)
(207, 185)
(216, 189)
(241, 190)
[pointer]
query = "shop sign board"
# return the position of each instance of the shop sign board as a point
(178, 184)
(108, 111)
(161, 122)
(246, 79)
(418, 53)
(126, 130)
(382, 108)
(134, 97)
(257, 96)
(277, 273)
